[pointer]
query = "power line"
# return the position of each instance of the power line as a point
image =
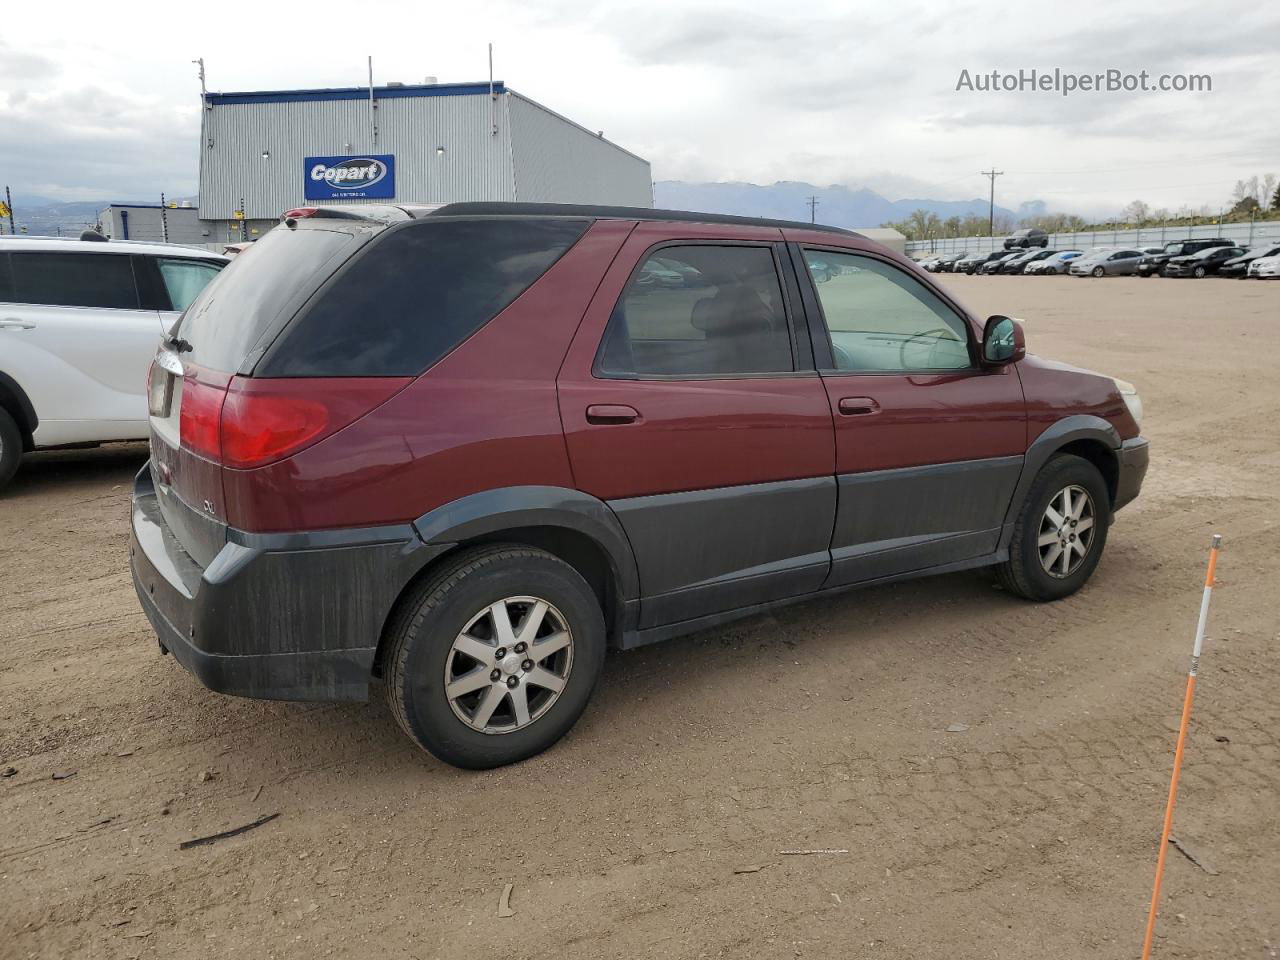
(991, 216)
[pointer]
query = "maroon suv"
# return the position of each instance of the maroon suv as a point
(463, 450)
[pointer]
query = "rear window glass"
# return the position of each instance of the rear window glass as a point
(228, 317)
(74, 280)
(6, 279)
(415, 293)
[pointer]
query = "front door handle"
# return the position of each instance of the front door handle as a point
(857, 406)
(13, 323)
(606, 413)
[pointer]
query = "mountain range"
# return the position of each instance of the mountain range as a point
(839, 206)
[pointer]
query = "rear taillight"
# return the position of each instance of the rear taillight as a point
(243, 423)
(203, 393)
(299, 213)
(267, 420)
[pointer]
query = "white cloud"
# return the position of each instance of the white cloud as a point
(100, 100)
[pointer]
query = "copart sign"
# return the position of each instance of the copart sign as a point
(332, 178)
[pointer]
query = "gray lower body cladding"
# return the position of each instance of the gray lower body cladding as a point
(298, 616)
(280, 617)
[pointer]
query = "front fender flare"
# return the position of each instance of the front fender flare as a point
(1057, 435)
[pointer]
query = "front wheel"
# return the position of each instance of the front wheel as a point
(1060, 532)
(1200, 272)
(1099, 272)
(494, 658)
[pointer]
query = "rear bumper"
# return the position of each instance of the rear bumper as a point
(290, 616)
(1132, 457)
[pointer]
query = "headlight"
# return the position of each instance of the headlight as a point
(1131, 399)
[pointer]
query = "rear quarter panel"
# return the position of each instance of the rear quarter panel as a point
(485, 416)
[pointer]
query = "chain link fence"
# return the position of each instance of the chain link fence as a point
(1242, 234)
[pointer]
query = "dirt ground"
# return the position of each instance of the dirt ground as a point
(657, 827)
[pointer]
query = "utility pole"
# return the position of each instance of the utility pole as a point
(813, 208)
(200, 63)
(991, 217)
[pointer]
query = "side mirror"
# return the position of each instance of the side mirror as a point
(1002, 341)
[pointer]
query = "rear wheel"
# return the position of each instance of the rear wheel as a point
(1060, 532)
(494, 658)
(10, 447)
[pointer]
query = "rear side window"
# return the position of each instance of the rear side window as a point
(415, 293)
(74, 280)
(228, 318)
(6, 280)
(184, 279)
(694, 311)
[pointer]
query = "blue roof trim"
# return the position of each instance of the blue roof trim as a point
(355, 93)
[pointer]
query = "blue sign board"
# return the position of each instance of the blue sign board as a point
(362, 175)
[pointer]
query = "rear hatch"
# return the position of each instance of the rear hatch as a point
(213, 347)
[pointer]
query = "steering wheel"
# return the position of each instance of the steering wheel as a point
(902, 351)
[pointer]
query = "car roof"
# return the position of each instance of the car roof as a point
(497, 208)
(13, 244)
(604, 212)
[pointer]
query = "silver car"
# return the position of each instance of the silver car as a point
(1055, 263)
(1107, 263)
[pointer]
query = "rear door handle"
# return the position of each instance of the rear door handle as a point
(13, 323)
(606, 413)
(857, 406)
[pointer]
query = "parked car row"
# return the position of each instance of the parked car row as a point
(1179, 258)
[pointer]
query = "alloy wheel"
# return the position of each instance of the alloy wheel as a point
(509, 665)
(1066, 532)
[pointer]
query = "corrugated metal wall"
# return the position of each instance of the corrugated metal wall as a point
(554, 159)
(557, 161)
(144, 224)
(474, 166)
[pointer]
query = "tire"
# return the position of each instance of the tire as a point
(1025, 573)
(10, 448)
(1200, 273)
(1099, 272)
(457, 600)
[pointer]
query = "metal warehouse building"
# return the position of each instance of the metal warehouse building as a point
(154, 224)
(265, 152)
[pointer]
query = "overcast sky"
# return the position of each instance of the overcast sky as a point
(100, 101)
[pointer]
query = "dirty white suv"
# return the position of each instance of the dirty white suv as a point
(80, 321)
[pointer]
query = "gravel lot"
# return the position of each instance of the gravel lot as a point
(1030, 834)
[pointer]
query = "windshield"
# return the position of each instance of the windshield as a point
(1173, 248)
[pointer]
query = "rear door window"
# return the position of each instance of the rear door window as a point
(414, 294)
(694, 311)
(74, 280)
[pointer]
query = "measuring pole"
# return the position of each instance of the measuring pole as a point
(1182, 739)
(8, 202)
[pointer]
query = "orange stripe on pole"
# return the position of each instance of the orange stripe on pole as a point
(1213, 564)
